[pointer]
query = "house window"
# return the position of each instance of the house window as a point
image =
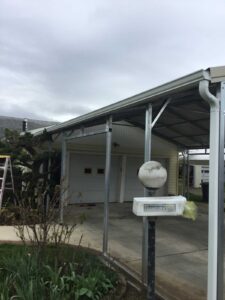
(100, 171)
(87, 170)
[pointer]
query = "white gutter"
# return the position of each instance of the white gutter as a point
(213, 187)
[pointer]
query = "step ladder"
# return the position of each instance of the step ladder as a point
(5, 167)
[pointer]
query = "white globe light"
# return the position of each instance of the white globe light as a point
(152, 175)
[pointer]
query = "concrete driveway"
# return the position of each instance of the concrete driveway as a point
(181, 246)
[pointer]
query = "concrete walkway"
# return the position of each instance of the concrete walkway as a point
(181, 246)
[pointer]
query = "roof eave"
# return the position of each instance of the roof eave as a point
(148, 96)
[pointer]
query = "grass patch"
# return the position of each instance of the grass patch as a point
(59, 273)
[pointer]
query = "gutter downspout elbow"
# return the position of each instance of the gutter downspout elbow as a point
(206, 94)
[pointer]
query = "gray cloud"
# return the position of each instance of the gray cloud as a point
(61, 59)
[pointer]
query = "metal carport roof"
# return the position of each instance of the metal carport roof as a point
(185, 121)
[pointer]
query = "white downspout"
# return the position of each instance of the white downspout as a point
(213, 188)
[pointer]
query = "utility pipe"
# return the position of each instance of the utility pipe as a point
(213, 188)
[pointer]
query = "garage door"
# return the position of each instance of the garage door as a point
(133, 187)
(87, 178)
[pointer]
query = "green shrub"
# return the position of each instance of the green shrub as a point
(77, 275)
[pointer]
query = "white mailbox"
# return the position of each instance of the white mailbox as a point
(159, 206)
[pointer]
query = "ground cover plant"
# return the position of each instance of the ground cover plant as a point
(60, 273)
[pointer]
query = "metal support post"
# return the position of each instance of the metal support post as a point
(107, 183)
(147, 157)
(151, 260)
(184, 174)
(188, 175)
(215, 260)
(49, 175)
(221, 95)
(63, 174)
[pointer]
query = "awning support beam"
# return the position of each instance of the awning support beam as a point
(161, 111)
(82, 135)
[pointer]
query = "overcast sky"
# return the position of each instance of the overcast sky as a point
(63, 58)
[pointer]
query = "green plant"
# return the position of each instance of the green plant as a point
(23, 276)
(30, 163)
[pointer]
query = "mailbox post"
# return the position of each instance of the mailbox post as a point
(153, 176)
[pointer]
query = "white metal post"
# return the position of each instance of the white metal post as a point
(147, 157)
(215, 188)
(188, 175)
(213, 203)
(184, 174)
(107, 184)
(220, 251)
(62, 183)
